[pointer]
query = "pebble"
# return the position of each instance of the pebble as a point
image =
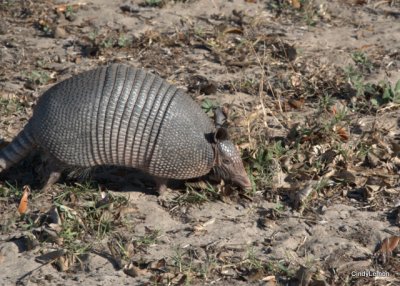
(60, 33)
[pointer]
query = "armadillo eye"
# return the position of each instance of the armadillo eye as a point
(226, 161)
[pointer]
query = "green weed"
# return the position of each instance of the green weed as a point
(37, 77)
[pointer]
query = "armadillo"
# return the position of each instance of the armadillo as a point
(125, 116)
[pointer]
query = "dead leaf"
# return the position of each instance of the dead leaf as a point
(295, 80)
(296, 104)
(342, 132)
(228, 271)
(270, 278)
(360, 2)
(387, 246)
(256, 275)
(296, 4)
(180, 279)
(65, 262)
(200, 228)
(23, 204)
(158, 265)
(134, 271)
(233, 30)
(345, 176)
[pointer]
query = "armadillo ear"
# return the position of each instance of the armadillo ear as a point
(221, 134)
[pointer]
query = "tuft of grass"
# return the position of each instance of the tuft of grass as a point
(10, 192)
(100, 42)
(194, 197)
(252, 261)
(87, 217)
(308, 11)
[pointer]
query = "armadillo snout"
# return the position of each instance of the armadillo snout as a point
(229, 165)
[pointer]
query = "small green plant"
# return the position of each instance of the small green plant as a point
(122, 41)
(199, 31)
(69, 12)
(362, 61)
(192, 196)
(252, 261)
(278, 6)
(357, 81)
(326, 102)
(362, 150)
(207, 267)
(279, 268)
(183, 262)
(265, 155)
(264, 162)
(148, 239)
(107, 43)
(378, 94)
(38, 77)
(322, 184)
(154, 3)
(279, 207)
(9, 106)
(92, 36)
(310, 14)
(390, 94)
(208, 105)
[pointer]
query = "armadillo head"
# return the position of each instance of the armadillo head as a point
(228, 164)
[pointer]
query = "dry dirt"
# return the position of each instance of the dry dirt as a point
(313, 105)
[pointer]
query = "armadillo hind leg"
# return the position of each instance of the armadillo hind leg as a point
(52, 179)
(20, 147)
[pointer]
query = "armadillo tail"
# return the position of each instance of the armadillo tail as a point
(16, 150)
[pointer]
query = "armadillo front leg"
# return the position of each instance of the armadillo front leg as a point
(52, 171)
(161, 185)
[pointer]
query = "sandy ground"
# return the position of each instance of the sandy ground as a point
(260, 239)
